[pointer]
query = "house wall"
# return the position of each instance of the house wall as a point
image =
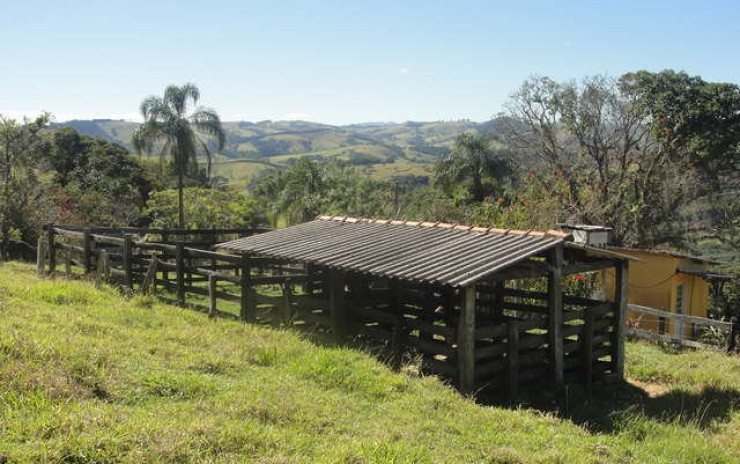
(653, 282)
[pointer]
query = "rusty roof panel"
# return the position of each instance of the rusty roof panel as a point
(447, 254)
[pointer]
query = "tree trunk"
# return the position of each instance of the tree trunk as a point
(180, 200)
(478, 194)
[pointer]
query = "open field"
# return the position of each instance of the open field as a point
(89, 376)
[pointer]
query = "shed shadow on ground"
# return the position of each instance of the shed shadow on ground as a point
(613, 402)
(605, 410)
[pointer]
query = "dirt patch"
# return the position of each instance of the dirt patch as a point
(653, 390)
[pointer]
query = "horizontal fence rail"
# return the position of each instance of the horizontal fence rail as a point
(679, 329)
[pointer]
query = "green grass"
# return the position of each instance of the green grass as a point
(88, 376)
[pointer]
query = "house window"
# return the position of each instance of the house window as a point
(680, 299)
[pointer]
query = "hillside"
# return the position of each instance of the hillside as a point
(88, 376)
(385, 150)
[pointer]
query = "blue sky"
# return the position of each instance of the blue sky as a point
(342, 61)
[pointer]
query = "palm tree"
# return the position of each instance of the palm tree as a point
(168, 125)
(472, 158)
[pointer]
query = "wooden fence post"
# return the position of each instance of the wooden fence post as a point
(247, 292)
(337, 303)
(287, 309)
(555, 308)
(211, 295)
(587, 345)
(128, 255)
(466, 341)
(165, 272)
(51, 250)
(180, 270)
(102, 269)
(621, 288)
(149, 283)
(512, 354)
(87, 253)
(68, 263)
(40, 258)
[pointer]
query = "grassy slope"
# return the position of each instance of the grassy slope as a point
(87, 376)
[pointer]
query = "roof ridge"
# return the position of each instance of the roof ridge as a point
(446, 225)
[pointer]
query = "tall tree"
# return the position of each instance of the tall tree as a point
(472, 159)
(594, 137)
(178, 134)
(21, 147)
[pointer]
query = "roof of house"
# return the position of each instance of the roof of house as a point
(666, 253)
(431, 252)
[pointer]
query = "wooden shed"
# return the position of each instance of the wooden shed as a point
(453, 296)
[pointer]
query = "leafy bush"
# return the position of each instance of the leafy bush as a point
(204, 208)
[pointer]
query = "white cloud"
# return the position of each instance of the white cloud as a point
(404, 70)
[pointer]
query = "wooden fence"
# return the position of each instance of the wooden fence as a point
(691, 331)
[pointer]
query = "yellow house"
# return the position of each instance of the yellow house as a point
(668, 281)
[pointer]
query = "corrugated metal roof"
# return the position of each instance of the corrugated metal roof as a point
(418, 251)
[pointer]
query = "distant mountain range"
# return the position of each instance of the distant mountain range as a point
(385, 150)
(277, 138)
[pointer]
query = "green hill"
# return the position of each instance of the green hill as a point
(89, 376)
(414, 145)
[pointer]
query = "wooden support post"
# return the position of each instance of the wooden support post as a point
(448, 305)
(555, 319)
(498, 301)
(51, 249)
(427, 314)
(87, 251)
(180, 270)
(621, 287)
(337, 303)
(247, 292)
(512, 353)
(128, 257)
(40, 258)
(466, 340)
(587, 345)
(211, 295)
(286, 307)
(397, 333)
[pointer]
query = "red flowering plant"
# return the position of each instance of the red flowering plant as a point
(581, 285)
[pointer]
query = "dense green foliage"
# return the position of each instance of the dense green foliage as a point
(88, 376)
(204, 208)
(98, 181)
(311, 188)
(22, 146)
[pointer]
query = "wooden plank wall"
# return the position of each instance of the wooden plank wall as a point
(512, 346)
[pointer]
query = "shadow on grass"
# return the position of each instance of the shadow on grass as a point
(614, 402)
(606, 410)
